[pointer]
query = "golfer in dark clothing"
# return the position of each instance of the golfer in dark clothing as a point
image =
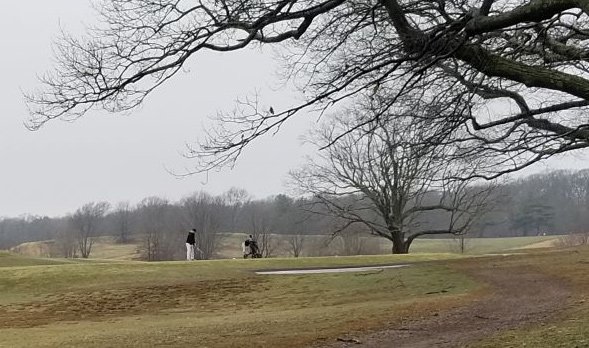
(190, 243)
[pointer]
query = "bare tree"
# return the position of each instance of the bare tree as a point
(460, 243)
(512, 73)
(65, 243)
(352, 242)
(296, 243)
(85, 222)
(202, 212)
(161, 239)
(235, 198)
(122, 215)
(267, 241)
(387, 179)
(258, 222)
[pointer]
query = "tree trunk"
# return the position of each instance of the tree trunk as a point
(399, 244)
(400, 249)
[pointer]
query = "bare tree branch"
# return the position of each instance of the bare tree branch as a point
(506, 79)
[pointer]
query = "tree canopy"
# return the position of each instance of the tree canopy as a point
(383, 177)
(503, 79)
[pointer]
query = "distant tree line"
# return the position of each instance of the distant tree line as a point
(555, 202)
(550, 203)
(159, 226)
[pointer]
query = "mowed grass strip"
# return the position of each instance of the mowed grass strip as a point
(474, 246)
(569, 328)
(11, 260)
(217, 303)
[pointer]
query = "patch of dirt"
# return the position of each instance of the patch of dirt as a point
(206, 296)
(516, 296)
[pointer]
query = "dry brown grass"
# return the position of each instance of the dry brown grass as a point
(213, 304)
(570, 326)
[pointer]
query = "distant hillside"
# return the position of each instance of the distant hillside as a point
(103, 248)
(34, 249)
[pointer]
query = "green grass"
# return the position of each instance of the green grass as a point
(106, 248)
(222, 303)
(570, 333)
(475, 246)
(215, 303)
(12, 260)
(28, 277)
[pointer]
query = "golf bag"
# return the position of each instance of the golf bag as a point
(251, 249)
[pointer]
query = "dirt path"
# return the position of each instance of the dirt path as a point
(517, 296)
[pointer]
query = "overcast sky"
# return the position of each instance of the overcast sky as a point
(124, 157)
(116, 158)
